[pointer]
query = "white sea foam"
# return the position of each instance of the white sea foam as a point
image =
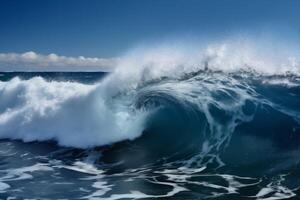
(72, 114)
(22, 173)
(275, 191)
(3, 187)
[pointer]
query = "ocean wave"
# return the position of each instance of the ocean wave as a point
(169, 103)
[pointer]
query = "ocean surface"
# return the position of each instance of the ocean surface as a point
(197, 134)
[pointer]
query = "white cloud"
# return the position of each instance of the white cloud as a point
(31, 61)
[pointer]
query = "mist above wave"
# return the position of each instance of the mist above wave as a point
(233, 55)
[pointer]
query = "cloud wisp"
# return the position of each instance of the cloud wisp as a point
(31, 61)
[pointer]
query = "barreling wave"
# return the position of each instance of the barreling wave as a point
(170, 102)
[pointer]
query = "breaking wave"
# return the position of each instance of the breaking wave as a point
(170, 102)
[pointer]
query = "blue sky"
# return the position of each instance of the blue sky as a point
(106, 28)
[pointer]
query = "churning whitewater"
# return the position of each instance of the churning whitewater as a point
(194, 119)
